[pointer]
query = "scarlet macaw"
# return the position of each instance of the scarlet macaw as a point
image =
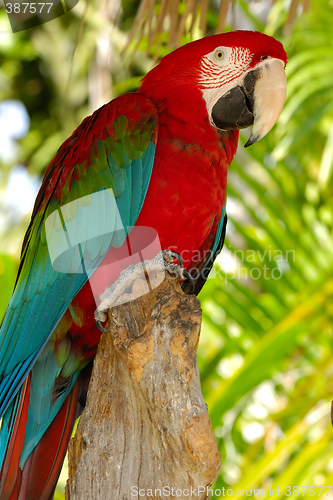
(163, 153)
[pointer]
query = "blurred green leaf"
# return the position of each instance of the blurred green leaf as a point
(8, 270)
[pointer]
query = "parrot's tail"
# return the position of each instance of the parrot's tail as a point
(38, 477)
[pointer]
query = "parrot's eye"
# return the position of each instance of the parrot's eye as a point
(219, 55)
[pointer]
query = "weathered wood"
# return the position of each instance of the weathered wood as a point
(145, 425)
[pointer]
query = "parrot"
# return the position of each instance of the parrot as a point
(156, 158)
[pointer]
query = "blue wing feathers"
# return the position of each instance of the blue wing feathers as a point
(146, 172)
(34, 431)
(118, 175)
(137, 190)
(218, 231)
(29, 320)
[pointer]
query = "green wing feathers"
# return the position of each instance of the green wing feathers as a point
(110, 153)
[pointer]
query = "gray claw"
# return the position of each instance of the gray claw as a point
(177, 257)
(100, 327)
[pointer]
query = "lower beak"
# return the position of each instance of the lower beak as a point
(258, 100)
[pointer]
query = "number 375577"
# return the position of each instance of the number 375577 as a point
(33, 8)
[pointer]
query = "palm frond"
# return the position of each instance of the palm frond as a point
(175, 19)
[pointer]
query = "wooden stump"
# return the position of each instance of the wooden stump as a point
(145, 426)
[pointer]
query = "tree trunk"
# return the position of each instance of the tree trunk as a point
(145, 426)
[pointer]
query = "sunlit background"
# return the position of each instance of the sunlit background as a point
(266, 350)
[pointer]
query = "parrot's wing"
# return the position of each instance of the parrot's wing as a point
(211, 248)
(93, 190)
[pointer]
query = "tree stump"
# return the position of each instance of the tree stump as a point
(145, 428)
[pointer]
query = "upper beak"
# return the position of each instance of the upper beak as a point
(258, 100)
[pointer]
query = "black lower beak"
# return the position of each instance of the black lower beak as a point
(233, 110)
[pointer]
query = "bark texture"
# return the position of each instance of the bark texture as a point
(145, 425)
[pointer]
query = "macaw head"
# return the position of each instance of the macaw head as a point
(240, 76)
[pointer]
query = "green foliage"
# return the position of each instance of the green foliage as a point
(310, 94)
(266, 347)
(8, 270)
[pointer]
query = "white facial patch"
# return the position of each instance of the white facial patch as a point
(219, 73)
(216, 73)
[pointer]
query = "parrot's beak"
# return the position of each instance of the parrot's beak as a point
(269, 95)
(257, 100)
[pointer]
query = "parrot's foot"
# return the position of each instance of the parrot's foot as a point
(139, 279)
(177, 271)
